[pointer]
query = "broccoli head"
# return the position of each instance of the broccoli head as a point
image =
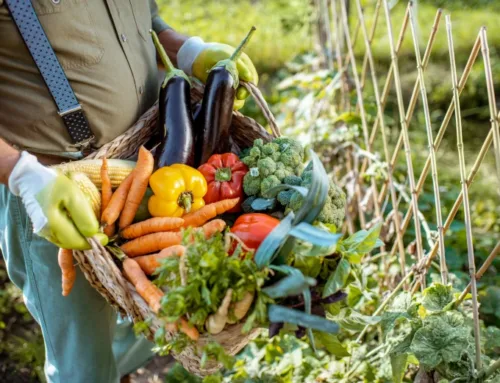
(270, 163)
(284, 196)
(268, 183)
(251, 184)
(334, 210)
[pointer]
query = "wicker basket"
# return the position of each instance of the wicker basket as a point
(100, 269)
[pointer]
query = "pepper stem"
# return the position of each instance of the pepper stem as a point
(185, 201)
(169, 67)
(237, 53)
(223, 174)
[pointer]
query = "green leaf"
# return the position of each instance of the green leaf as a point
(357, 322)
(332, 344)
(399, 364)
(317, 195)
(443, 338)
(318, 237)
(310, 266)
(292, 285)
(260, 204)
(279, 314)
(268, 248)
(274, 191)
(338, 278)
(437, 296)
(361, 243)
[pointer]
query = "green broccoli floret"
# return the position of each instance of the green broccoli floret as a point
(292, 152)
(284, 196)
(281, 171)
(268, 183)
(258, 143)
(334, 210)
(292, 180)
(266, 166)
(251, 184)
(291, 159)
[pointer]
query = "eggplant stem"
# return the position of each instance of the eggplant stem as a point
(169, 67)
(237, 53)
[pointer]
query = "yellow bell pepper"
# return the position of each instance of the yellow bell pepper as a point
(177, 189)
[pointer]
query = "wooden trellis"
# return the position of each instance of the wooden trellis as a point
(360, 68)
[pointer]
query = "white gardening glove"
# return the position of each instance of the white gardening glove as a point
(58, 209)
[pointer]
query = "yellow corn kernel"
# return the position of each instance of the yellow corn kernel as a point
(89, 189)
(118, 170)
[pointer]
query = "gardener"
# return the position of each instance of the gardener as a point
(105, 51)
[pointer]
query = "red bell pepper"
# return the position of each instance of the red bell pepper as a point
(224, 174)
(252, 228)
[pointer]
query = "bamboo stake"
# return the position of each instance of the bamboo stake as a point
(338, 51)
(360, 103)
(465, 192)
(364, 68)
(440, 135)
(491, 99)
(432, 152)
(396, 218)
(404, 127)
(414, 95)
(487, 263)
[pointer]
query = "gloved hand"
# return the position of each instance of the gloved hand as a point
(196, 58)
(58, 209)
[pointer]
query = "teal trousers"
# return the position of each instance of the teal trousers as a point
(85, 341)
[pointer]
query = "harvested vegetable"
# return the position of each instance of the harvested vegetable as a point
(270, 163)
(115, 206)
(334, 210)
(214, 119)
(149, 263)
(106, 192)
(253, 228)
(208, 212)
(157, 241)
(118, 170)
(239, 309)
(175, 120)
(224, 174)
(141, 174)
(145, 288)
(152, 225)
(68, 270)
(178, 189)
(216, 322)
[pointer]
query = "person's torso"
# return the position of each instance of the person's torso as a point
(105, 50)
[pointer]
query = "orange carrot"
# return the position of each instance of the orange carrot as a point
(149, 263)
(145, 288)
(107, 192)
(142, 172)
(68, 270)
(208, 212)
(153, 295)
(151, 243)
(115, 205)
(151, 225)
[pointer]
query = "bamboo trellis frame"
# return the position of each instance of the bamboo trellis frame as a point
(346, 30)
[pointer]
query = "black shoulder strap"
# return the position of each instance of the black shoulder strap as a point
(51, 70)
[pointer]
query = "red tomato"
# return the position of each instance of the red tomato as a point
(252, 228)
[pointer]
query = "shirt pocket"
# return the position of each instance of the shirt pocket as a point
(71, 31)
(142, 15)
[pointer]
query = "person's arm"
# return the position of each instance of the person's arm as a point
(8, 159)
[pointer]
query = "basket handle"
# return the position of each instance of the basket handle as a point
(264, 107)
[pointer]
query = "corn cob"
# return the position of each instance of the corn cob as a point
(89, 189)
(118, 170)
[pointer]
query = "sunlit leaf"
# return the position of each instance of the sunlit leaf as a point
(338, 278)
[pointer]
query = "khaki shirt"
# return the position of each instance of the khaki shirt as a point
(107, 53)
